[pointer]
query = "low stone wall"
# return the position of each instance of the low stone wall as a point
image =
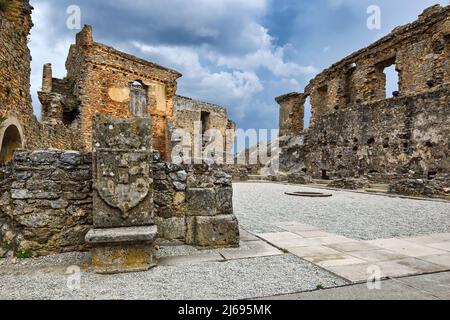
(46, 203)
(439, 187)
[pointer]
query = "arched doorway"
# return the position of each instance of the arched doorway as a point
(11, 139)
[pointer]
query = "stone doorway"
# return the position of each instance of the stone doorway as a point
(11, 139)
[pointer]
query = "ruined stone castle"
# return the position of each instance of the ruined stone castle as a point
(356, 132)
(117, 191)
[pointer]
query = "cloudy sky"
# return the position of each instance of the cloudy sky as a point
(240, 54)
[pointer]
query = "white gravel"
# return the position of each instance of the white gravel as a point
(238, 279)
(260, 206)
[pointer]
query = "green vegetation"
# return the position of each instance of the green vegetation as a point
(24, 254)
(319, 287)
(7, 245)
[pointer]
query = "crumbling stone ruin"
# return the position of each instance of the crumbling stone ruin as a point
(102, 80)
(355, 132)
(118, 192)
(17, 122)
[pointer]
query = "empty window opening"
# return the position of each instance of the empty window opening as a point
(392, 80)
(432, 175)
(350, 85)
(308, 112)
(12, 141)
(70, 117)
(205, 126)
(138, 99)
(325, 175)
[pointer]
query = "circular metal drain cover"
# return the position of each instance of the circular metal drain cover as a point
(309, 194)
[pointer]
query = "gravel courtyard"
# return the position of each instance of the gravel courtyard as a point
(259, 206)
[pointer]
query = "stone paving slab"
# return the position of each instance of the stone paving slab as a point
(406, 248)
(424, 287)
(440, 259)
(374, 256)
(254, 249)
(355, 260)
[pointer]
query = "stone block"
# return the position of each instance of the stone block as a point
(224, 200)
(121, 250)
(201, 201)
(217, 232)
(172, 228)
(122, 259)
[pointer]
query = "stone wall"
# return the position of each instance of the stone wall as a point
(188, 116)
(101, 79)
(357, 132)
(46, 203)
(386, 140)
(16, 112)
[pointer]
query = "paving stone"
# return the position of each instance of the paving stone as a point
(314, 234)
(353, 246)
(334, 260)
(247, 236)
(252, 249)
(313, 251)
(441, 246)
(437, 284)
(377, 255)
(285, 239)
(440, 259)
(390, 290)
(406, 248)
(394, 268)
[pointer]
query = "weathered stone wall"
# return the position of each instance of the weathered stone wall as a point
(46, 202)
(188, 116)
(194, 204)
(386, 139)
(15, 99)
(99, 80)
(357, 132)
(419, 51)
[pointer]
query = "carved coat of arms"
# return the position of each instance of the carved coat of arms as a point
(123, 178)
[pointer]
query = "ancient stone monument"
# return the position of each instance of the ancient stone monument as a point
(358, 131)
(124, 232)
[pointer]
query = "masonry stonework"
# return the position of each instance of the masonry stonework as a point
(18, 126)
(355, 131)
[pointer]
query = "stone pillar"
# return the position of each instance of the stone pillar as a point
(124, 231)
(47, 78)
(292, 114)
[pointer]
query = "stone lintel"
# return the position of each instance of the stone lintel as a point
(122, 235)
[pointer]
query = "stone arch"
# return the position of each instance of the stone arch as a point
(11, 139)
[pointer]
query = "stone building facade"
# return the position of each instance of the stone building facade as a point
(355, 130)
(48, 195)
(101, 79)
(17, 123)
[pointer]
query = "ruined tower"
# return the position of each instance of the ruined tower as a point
(17, 122)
